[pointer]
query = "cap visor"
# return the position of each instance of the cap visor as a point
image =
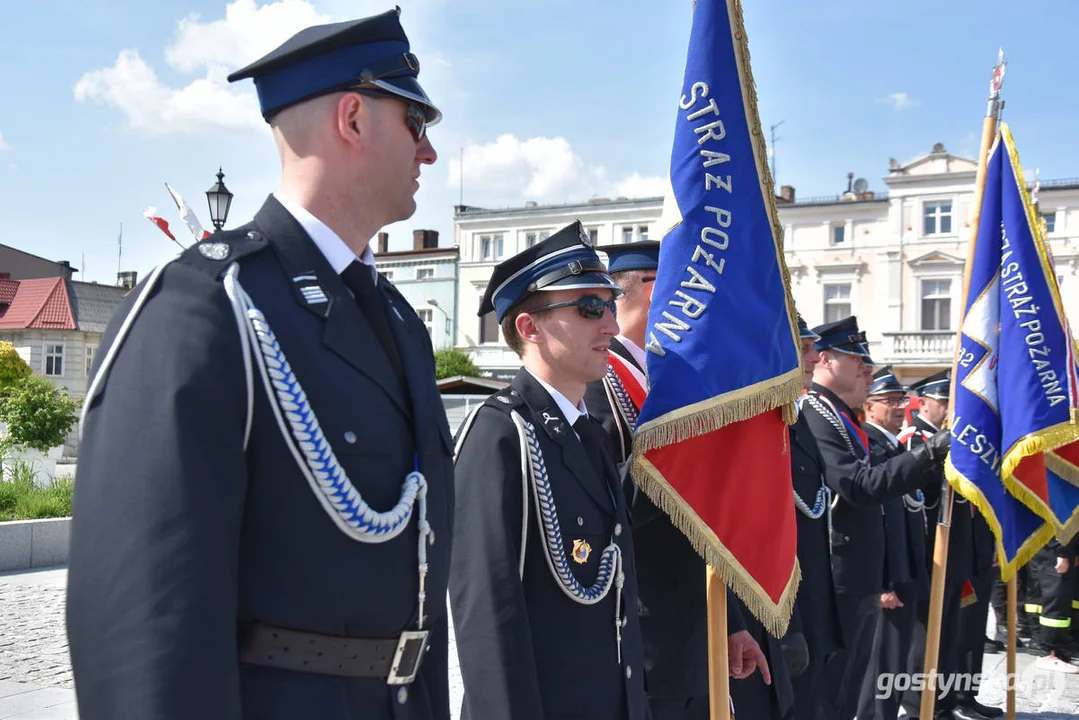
(409, 88)
(585, 281)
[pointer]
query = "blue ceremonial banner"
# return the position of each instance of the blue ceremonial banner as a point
(724, 366)
(1015, 373)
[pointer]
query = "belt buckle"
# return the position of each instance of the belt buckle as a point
(408, 658)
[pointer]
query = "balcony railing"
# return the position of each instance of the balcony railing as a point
(916, 347)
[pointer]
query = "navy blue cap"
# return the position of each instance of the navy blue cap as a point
(804, 332)
(843, 336)
(885, 381)
(643, 255)
(937, 386)
(321, 59)
(564, 261)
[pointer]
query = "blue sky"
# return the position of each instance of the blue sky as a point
(555, 101)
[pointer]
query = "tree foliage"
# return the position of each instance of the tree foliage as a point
(451, 362)
(37, 413)
(12, 367)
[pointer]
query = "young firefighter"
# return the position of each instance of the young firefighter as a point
(543, 589)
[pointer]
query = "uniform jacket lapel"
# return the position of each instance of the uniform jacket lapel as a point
(346, 330)
(572, 454)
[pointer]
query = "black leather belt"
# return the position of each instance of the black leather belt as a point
(396, 659)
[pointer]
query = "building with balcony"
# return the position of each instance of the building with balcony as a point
(427, 276)
(894, 258)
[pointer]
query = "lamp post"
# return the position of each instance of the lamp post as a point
(219, 199)
(434, 303)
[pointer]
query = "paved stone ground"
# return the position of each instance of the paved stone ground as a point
(35, 675)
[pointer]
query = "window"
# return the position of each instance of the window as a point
(642, 232)
(91, 351)
(936, 304)
(938, 217)
(489, 328)
(593, 236)
(836, 301)
(427, 315)
(54, 360)
(627, 234)
(838, 234)
(1050, 220)
(425, 273)
(490, 247)
(533, 237)
(386, 274)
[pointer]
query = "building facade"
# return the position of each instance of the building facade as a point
(427, 277)
(894, 258)
(487, 237)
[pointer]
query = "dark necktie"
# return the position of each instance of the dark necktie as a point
(591, 439)
(359, 279)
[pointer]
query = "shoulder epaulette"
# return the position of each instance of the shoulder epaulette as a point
(505, 400)
(215, 254)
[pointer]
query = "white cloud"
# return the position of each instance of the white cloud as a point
(212, 48)
(3, 145)
(544, 169)
(899, 101)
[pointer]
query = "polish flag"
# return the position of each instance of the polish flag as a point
(152, 216)
(188, 215)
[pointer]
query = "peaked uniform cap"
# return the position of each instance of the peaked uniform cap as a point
(937, 386)
(804, 332)
(843, 336)
(321, 59)
(564, 261)
(885, 381)
(642, 255)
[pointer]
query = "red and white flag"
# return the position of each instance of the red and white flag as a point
(188, 215)
(152, 216)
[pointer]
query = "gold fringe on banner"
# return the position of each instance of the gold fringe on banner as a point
(775, 617)
(973, 493)
(1042, 441)
(714, 413)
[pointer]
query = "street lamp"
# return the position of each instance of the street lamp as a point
(219, 199)
(434, 303)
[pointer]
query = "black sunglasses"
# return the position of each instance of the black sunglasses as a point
(415, 117)
(589, 307)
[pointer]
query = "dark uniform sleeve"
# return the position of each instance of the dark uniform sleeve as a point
(857, 483)
(158, 508)
(494, 641)
(896, 552)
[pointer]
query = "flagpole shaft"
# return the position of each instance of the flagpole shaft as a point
(1013, 604)
(719, 689)
(936, 602)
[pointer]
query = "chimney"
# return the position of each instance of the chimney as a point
(128, 279)
(786, 193)
(424, 239)
(850, 180)
(66, 268)
(383, 242)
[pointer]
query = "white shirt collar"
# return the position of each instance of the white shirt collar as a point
(636, 352)
(891, 438)
(333, 248)
(569, 412)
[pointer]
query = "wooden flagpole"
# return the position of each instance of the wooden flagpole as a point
(1013, 600)
(940, 549)
(719, 687)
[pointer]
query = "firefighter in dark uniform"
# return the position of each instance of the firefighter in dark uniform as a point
(974, 616)
(674, 618)
(264, 509)
(544, 589)
(933, 393)
(816, 616)
(1053, 572)
(841, 382)
(906, 575)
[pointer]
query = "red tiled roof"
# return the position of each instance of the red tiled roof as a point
(42, 303)
(7, 291)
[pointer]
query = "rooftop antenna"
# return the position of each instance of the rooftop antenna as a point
(774, 139)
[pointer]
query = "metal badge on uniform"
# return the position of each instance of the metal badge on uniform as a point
(503, 399)
(581, 551)
(213, 250)
(551, 422)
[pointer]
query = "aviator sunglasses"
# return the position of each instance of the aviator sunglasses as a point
(415, 118)
(589, 307)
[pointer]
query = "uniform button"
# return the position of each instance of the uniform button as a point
(402, 695)
(617, 529)
(350, 437)
(580, 521)
(846, 538)
(253, 235)
(431, 538)
(629, 672)
(625, 621)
